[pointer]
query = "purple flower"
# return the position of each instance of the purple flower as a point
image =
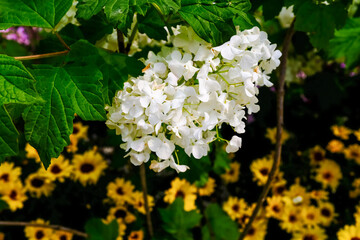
(301, 75)
(342, 65)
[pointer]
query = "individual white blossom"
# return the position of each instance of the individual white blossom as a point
(286, 16)
(187, 92)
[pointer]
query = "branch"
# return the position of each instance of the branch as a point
(131, 38)
(55, 227)
(120, 40)
(62, 41)
(40, 56)
(280, 123)
(144, 188)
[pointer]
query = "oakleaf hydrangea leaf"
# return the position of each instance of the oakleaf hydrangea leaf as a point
(66, 91)
(16, 86)
(35, 13)
(320, 21)
(347, 43)
(211, 20)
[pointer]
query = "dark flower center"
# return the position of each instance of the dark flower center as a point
(309, 237)
(55, 169)
(280, 189)
(180, 194)
(355, 238)
(13, 195)
(292, 218)
(235, 207)
(264, 171)
(75, 130)
(325, 212)
(120, 214)
(310, 216)
(276, 208)
(39, 234)
(37, 182)
(5, 177)
(327, 176)
(63, 237)
(120, 191)
(87, 168)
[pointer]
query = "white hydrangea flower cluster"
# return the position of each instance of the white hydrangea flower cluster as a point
(187, 92)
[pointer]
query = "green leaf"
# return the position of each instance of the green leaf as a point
(8, 136)
(16, 87)
(48, 125)
(84, 90)
(272, 8)
(121, 12)
(3, 205)
(320, 21)
(347, 43)
(178, 222)
(220, 226)
(66, 91)
(88, 8)
(211, 20)
(16, 83)
(115, 67)
(222, 160)
(245, 21)
(98, 230)
(35, 13)
(199, 168)
(167, 6)
(152, 25)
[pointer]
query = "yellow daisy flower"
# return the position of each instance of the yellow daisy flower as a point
(32, 153)
(352, 152)
(329, 174)
(38, 233)
(15, 195)
(310, 234)
(327, 213)
(341, 132)
(335, 146)
(356, 192)
(208, 188)
(39, 184)
(316, 155)
(357, 216)
(120, 191)
(291, 220)
(2, 236)
(275, 207)
(61, 235)
(351, 232)
(232, 175)
(297, 195)
(260, 169)
(88, 167)
(72, 147)
(80, 131)
(59, 169)
(235, 207)
(279, 188)
(121, 214)
(357, 134)
(138, 202)
(319, 195)
(311, 216)
(8, 174)
(271, 135)
(136, 235)
(257, 230)
(185, 190)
